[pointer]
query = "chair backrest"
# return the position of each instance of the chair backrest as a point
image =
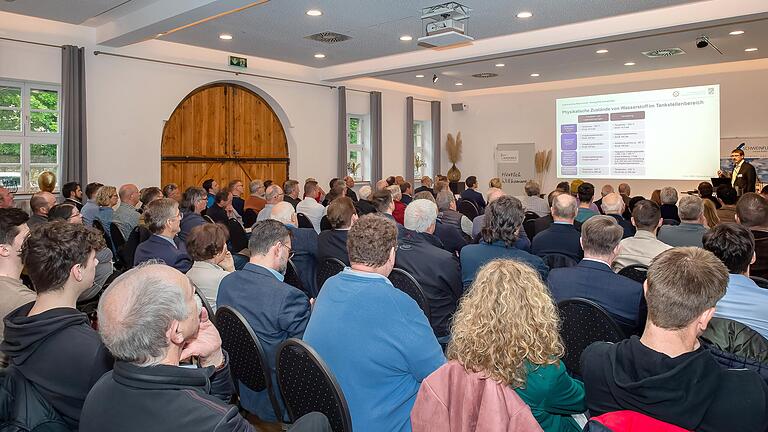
(325, 225)
(529, 226)
(467, 208)
(117, 236)
(582, 323)
(206, 303)
(237, 236)
(208, 219)
(308, 385)
(636, 272)
(761, 282)
(672, 222)
(557, 260)
(293, 278)
(329, 267)
(249, 217)
(304, 221)
(247, 361)
(530, 215)
(406, 283)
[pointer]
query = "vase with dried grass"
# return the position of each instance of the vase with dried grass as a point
(453, 148)
(542, 160)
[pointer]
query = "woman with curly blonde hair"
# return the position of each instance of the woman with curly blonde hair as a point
(506, 326)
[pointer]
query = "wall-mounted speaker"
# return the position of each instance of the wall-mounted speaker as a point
(459, 107)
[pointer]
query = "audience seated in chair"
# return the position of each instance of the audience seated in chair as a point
(691, 227)
(477, 223)
(40, 204)
(90, 209)
(211, 188)
(349, 182)
(532, 202)
(193, 203)
(72, 194)
(149, 195)
(221, 210)
(503, 225)
(373, 337)
(520, 348)
(542, 223)
(49, 341)
(607, 189)
(613, 206)
(309, 205)
(303, 245)
(106, 198)
(728, 197)
(706, 193)
(363, 205)
(207, 247)
(333, 243)
(450, 228)
(163, 219)
(291, 188)
(561, 237)
(643, 246)
(593, 278)
(426, 186)
(13, 293)
(172, 191)
(587, 209)
(471, 194)
(665, 374)
(752, 212)
(668, 207)
(399, 212)
(407, 193)
(147, 390)
(126, 217)
(255, 198)
(421, 254)
(275, 310)
(743, 301)
(273, 196)
(235, 187)
(710, 214)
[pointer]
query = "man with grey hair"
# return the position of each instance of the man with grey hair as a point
(607, 189)
(426, 185)
(363, 204)
(421, 254)
(193, 202)
(303, 245)
(255, 198)
(163, 220)
(532, 202)
(446, 204)
(291, 192)
(561, 238)
(273, 196)
(150, 320)
(275, 310)
(593, 279)
(126, 217)
(668, 197)
(613, 206)
(692, 224)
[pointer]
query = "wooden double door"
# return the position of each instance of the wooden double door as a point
(225, 132)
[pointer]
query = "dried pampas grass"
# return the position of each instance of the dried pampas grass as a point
(453, 148)
(542, 161)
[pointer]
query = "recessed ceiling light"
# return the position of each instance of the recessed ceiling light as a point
(629, 64)
(225, 36)
(736, 32)
(524, 14)
(499, 65)
(750, 49)
(459, 84)
(419, 76)
(319, 56)
(406, 38)
(601, 51)
(314, 12)
(535, 75)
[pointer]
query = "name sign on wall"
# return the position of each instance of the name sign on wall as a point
(515, 166)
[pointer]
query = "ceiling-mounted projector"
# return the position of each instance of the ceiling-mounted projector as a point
(445, 25)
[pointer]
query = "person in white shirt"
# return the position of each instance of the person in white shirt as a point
(273, 196)
(643, 246)
(309, 205)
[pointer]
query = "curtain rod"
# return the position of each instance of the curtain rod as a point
(30, 42)
(422, 100)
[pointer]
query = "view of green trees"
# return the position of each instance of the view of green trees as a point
(10, 110)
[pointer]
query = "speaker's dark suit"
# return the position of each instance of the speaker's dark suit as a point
(746, 178)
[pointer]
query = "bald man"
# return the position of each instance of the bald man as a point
(40, 203)
(613, 206)
(382, 184)
(126, 216)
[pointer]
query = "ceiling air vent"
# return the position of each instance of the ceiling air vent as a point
(485, 75)
(328, 37)
(666, 52)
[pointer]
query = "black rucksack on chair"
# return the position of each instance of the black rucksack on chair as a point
(23, 408)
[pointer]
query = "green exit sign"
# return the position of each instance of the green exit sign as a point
(238, 61)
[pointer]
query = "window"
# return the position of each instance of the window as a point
(30, 134)
(358, 147)
(422, 149)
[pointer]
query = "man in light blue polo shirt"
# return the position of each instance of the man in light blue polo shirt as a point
(744, 301)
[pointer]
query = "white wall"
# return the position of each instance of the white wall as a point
(527, 114)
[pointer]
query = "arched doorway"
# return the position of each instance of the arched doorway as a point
(223, 131)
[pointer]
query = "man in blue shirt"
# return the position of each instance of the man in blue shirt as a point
(744, 301)
(90, 208)
(375, 339)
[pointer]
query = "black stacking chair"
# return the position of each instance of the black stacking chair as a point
(293, 279)
(403, 281)
(324, 224)
(206, 304)
(529, 226)
(107, 238)
(557, 260)
(636, 272)
(304, 221)
(247, 361)
(308, 385)
(208, 219)
(329, 267)
(117, 236)
(582, 323)
(761, 282)
(467, 208)
(237, 236)
(530, 215)
(249, 217)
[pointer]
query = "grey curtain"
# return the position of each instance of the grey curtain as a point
(409, 139)
(436, 137)
(376, 170)
(74, 165)
(342, 152)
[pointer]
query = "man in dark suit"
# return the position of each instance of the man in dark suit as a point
(544, 222)
(333, 243)
(303, 245)
(593, 278)
(221, 209)
(426, 185)
(406, 192)
(743, 177)
(291, 191)
(163, 220)
(471, 194)
(350, 183)
(613, 206)
(275, 310)
(421, 254)
(561, 237)
(72, 194)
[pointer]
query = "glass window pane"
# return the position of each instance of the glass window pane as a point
(44, 99)
(35, 171)
(44, 122)
(10, 120)
(10, 153)
(10, 176)
(44, 153)
(10, 97)
(354, 130)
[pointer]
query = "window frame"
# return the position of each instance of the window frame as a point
(422, 144)
(363, 146)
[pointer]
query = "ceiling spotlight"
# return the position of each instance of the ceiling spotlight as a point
(750, 50)
(459, 84)
(629, 64)
(225, 36)
(499, 65)
(736, 32)
(524, 15)
(319, 56)
(419, 76)
(535, 75)
(601, 51)
(435, 78)
(406, 38)
(314, 12)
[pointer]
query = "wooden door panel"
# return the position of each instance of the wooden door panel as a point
(256, 130)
